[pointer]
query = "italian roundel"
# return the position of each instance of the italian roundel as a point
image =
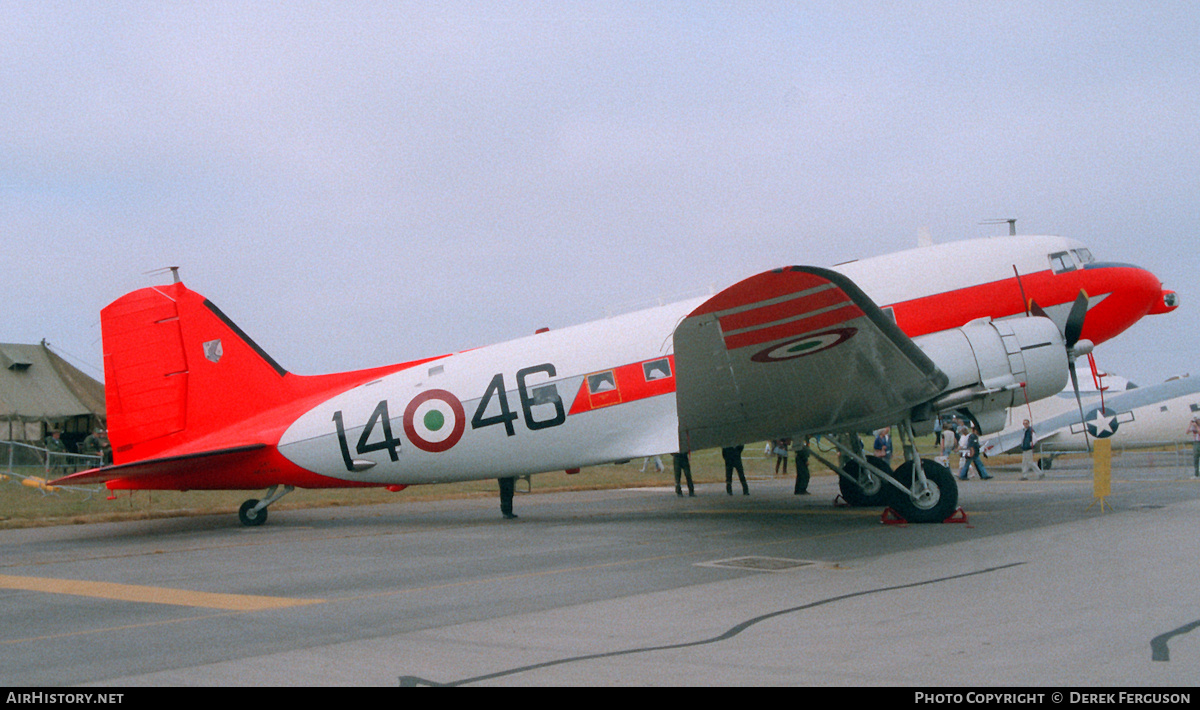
(806, 345)
(434, 421)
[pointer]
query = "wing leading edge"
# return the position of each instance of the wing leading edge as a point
(791, 351)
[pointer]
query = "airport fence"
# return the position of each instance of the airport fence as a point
(35, 465)
(1163, 455)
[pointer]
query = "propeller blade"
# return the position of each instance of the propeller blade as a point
(1071, 331)
(1078, 401)
(1074, 324)
(1021, 286)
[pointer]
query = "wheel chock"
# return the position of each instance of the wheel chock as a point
(840, 502)
(958, 516)
(891, 517)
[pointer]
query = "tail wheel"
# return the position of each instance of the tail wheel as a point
(932, 505)
(870, 491)
(247, 515)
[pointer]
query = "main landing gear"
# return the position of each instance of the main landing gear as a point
(930, 496)
(860, 486)
(254, 512)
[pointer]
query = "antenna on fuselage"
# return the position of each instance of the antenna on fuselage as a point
(173, 269)
(1011, 222)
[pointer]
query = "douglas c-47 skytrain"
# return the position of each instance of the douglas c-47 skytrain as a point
(973, 327)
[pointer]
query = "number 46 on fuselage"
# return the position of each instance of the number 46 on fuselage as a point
(974, 327)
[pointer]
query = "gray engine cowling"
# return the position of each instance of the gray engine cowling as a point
(994, 365)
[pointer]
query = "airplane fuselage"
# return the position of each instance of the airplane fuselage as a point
(588, 394)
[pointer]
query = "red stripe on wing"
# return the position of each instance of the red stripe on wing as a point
(785, 310)
(763, 287)
(793, 328)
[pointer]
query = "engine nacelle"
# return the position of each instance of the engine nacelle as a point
(994, 365)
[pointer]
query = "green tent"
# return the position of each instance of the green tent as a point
(40, 391)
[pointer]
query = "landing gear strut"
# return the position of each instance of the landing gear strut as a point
(924, 494)
(859, 476)
(254, 512)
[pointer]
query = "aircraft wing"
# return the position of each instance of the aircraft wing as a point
(1122, 403)
(793, 351)
(1009, 441)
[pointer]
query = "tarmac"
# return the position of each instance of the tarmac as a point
(1037, 584)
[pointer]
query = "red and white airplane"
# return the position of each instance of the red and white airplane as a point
(193, 403)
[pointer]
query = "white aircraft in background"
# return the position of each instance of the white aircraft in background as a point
(193, 403)
(1130, 416)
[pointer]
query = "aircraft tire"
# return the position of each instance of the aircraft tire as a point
(874, 495)
(937, 506)
(249, 519)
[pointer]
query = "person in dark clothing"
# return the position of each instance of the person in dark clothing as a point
(1027, 465)
(507, 487)
(683, 466)
(1194, 432)
(56, 453)
(733, 461)
(802, 469)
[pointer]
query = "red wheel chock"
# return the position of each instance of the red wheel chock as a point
(840, 502)
(958, 516)
(891, 517)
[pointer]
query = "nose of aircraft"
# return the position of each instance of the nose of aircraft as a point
(1132, 293)
(1168, 303)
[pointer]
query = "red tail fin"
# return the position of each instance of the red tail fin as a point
(195, 404)
(176, 369)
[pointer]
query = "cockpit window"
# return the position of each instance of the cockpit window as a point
(1083, 255)
(1061, 262)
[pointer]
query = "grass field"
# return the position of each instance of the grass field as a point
(24, 506)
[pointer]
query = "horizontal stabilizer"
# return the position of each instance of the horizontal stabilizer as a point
(170, 466)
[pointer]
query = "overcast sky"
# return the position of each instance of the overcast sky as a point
(361, 183)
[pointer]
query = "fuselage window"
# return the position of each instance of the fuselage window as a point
(601, 382)
(1061, 262)
(656, 369)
